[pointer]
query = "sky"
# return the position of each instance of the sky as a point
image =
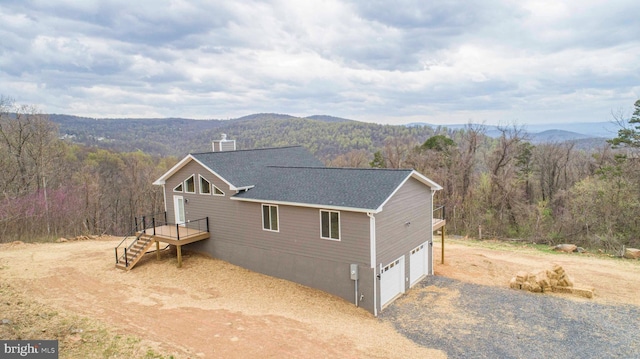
(391, 62)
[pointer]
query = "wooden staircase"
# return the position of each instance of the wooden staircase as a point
(135, 252)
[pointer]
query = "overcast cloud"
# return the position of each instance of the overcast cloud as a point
(378, 61)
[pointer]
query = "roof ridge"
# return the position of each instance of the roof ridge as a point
(345, 168)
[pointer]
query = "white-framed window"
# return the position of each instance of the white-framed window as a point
(205, 185)
(330, 225)
(190, 184)
(270, 220)
(217, 191)
(179, 187)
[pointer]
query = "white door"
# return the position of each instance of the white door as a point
(178, 206)
(418, 263)
(391, 280)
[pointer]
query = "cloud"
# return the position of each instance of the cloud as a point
(392, 62)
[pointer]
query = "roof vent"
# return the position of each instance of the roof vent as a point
(223, 144)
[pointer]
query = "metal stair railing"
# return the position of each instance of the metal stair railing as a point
(137, 233)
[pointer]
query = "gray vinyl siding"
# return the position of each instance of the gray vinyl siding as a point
(241, 223)
(296, 252)
(198, 205)
(394, 238)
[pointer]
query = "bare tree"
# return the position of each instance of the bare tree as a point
(30, 141)
(552, 167)
(354, 159)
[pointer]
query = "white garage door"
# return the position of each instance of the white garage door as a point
(391, 283)
(418, 263)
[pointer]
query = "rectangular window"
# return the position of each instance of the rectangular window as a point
(270, 217)
(190, 185)
(330, 225)
(205, 186)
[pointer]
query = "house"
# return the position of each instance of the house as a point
(362, 234)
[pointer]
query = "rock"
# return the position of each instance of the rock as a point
(568, 248)
(62, 240)
(631, 253)
(6, 321)
(580, 250)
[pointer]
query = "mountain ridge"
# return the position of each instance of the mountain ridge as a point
(327, 136)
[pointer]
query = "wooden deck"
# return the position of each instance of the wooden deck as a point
(177, 236)
(438, 223)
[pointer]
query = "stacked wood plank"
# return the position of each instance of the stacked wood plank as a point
(549, 280)
(631, 253)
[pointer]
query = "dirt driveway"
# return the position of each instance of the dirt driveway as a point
(207, 308)
(211, 309)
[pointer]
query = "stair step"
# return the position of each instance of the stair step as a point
(137, 250)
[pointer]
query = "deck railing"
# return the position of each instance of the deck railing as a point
(439, 212)
(185, 229)
(142, 225)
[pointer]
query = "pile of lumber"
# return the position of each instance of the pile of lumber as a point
(631, 253)
(549, 280)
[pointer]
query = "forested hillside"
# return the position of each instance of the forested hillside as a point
(77, 175)
(325, 136)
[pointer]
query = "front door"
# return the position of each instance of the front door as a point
(178, 206)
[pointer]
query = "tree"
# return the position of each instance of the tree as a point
(30, 143)
(440, 143)
(378, 161)
(505, 196)
(552, 162)
(629, 133)
(352, 159)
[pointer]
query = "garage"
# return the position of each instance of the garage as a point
(391, 280)
(418, 264)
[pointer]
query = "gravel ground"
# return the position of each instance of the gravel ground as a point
(473, 321)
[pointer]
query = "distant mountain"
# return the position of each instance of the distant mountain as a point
(278, 116)
(326, 118)
(554, 132)
(325, 136)
(591, 129)
(264, 116)
(556, 136)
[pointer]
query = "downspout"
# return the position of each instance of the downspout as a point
(164, 197)
(430, 254)
(372, 246)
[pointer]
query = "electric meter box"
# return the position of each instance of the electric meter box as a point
(354, 272)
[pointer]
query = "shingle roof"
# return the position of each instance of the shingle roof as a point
(292, 175)
(245, 168)
(332, 187)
